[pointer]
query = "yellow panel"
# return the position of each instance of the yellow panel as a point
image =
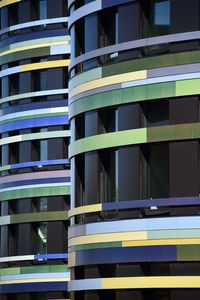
(151, 282)
(18, 49)
(109, 80)
(7, 2)
(35, 280)
(45, 65)
(85, 209)
(161, 242)
(72, 259)
(108, 237)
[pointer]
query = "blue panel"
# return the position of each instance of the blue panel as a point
(106, 3)
(152, 202)
(144, 224)
(125, 255)
(84, 284)
(45, 104)
(34, 181)
(40, 163)
(33, 287)
(37, 122)
(32, 36)
(51, 256)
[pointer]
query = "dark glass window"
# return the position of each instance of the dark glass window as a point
(157, 171)
(39, 80)
(57, 148)
(79, 38)
(4, 17)
(156, 113)
(91, 178)
(39, 9)
(108, 120)
(108, 32)
(91, 123)
(108, 175)
(14, 153)
(155, 16)
(13, 14)
(79, 180)
(35, 150)
(13, 84)
(90, 32)
(13, 240)
(80, 126)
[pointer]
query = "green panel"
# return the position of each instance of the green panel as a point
(152, 62)
(167, 234)
(4, 220)
(34, 269)
(26, 95)
(107, 140)
(4, 168)
(34, 117)
(136, 65)
(40, 41)
(44, 269)
(36, 136)
(24, 54)
(35, 42)
(188, 252)
(95, 246)
(38, 217)
(10, 271)
(84, 77)
(122, 96)
(135, 136)
(188, 87)
(173, 132)
(190, 233)
(35, 192)
(45, 135)
(6, 48)
(161, 234)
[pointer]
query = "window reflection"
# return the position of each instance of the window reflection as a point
(162, 13)
(43, 9)
(159, 17)
(41, 238)
(41, 204)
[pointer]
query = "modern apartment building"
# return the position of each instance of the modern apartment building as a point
(35, 175)
(134, 114)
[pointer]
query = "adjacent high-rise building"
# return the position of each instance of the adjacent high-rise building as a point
(34, 182)
(135, 126)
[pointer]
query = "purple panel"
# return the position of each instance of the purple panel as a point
(51, 256)
(39, 163)
(56, 103)
(152, 202)
(34, 35)
(34, 122)
(34, 181)
(33, 287)
(106, 3)
(126, 255)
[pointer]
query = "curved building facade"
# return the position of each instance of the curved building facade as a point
(135, 129)
(35, 175)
